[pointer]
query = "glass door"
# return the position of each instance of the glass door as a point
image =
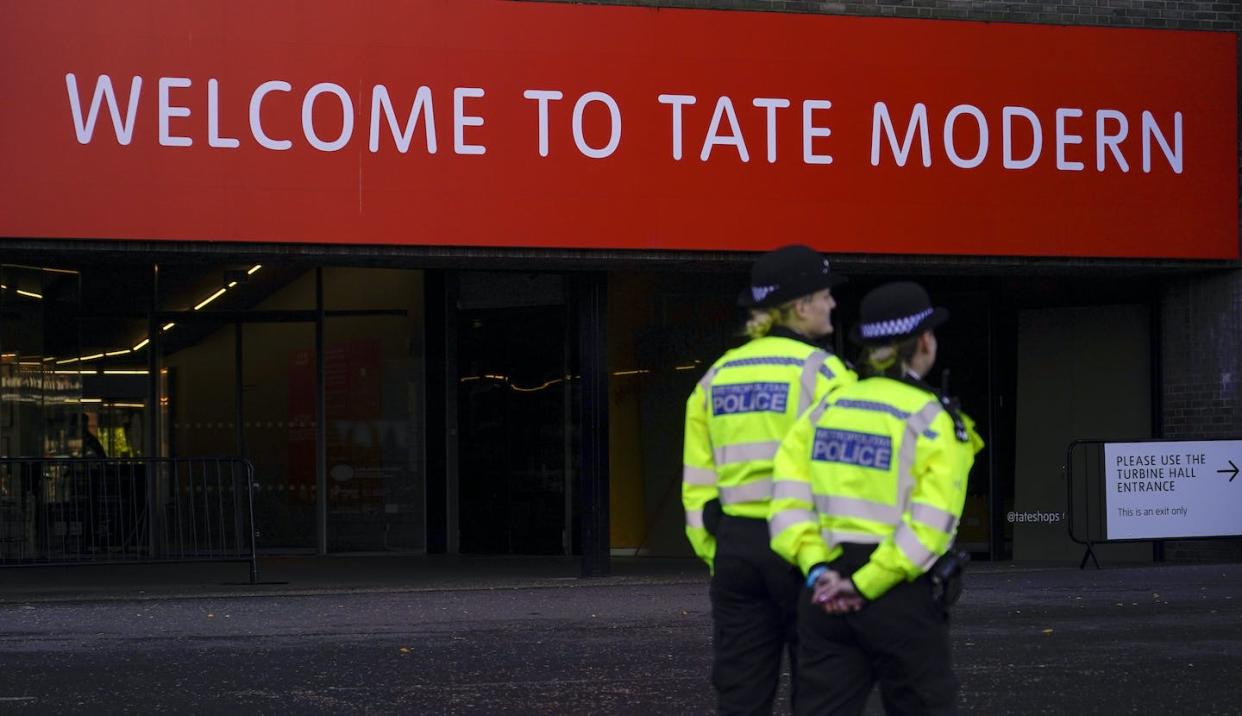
(514, 418)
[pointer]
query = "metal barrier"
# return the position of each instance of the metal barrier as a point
(1084, 507)
(58, 511)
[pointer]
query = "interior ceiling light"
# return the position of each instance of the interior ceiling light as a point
(167, 326)
(142, 344)
(124, 371)
(232, 284)
(67, 360)
(537, 388)
(254, 269)
(119, 353)
(207, 300)
(28, 293)
(92, 357)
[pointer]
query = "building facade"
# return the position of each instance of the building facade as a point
(445, 273)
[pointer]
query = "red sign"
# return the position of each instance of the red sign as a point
(494, 123)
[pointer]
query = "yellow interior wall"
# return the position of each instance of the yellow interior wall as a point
(626, 498)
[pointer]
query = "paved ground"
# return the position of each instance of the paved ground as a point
(1157, 639)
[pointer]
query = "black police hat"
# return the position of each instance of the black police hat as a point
(894, 312)
(783, 274)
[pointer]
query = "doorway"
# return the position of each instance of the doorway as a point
(514, 396)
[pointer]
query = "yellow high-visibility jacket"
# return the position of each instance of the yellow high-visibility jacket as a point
(877, 462)
(735, 419)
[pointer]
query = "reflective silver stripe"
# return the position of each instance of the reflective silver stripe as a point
(836, 537)
(854, 507)
(915, 551)
(746, 452)
(933, 517)
(818, 411)
(785, 519)
(792, 489)
(692, 475)
(754, 491)
(694, 518)
(810, 377)
(915, 425)
(706, 384)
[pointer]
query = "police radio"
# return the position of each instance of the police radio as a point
(952, 407)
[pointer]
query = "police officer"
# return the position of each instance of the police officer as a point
(872, 485)
(735, 419)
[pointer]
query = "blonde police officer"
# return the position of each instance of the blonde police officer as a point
(869, 489)
(735, 419)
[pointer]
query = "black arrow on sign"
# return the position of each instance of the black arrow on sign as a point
(1232, 473)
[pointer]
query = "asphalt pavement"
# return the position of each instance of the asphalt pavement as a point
(535, 639)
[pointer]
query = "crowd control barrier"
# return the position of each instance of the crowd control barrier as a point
(62, 511)
(1151, 490)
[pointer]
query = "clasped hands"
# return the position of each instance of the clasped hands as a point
(836, 594)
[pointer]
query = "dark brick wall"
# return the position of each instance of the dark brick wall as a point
(1201, 355)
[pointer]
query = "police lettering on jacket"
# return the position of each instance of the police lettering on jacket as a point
(851, 448)
(749, 398)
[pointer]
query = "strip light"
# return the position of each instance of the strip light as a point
(208, 300)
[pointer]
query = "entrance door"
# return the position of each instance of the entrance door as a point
(513, 408)
(1083, 373)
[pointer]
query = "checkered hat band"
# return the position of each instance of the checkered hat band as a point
(894, 326)
(761, 292)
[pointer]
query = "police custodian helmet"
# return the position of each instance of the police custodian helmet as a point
(783, 274)
(894, 312)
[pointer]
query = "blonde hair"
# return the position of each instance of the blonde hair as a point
(762, 319)
(889, 359)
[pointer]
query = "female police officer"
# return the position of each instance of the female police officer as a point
(872, 485)
(735, 419)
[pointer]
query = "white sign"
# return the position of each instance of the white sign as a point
(1163, 490)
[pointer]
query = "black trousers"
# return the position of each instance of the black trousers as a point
(900, 640)
(754, 596)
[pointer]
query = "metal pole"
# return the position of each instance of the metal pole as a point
(567, 429)
(593, 422)
(995, 537)
(452, 483)
(153, 403)
(239, 408)
(248, 469)
(321, 431)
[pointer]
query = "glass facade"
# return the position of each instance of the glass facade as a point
(450, 398)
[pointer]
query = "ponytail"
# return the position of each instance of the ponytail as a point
(889, 360)
(762, 320)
